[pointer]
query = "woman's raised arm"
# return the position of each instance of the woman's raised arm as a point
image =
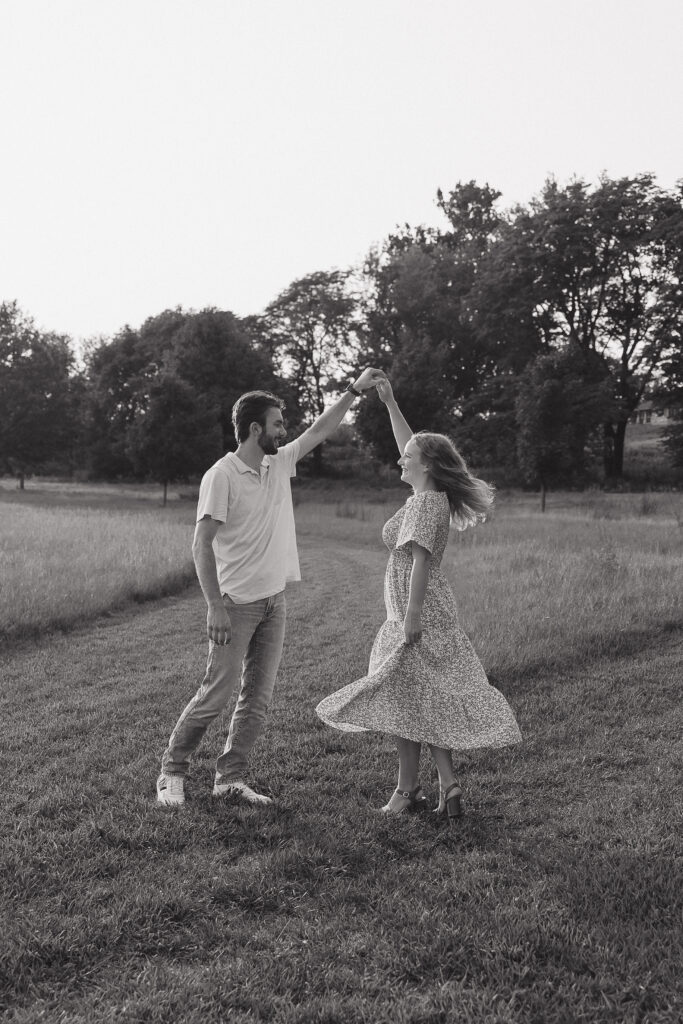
(402, 431)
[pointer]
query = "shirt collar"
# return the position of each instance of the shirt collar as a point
(242, 467)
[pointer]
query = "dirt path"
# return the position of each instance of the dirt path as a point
(161, 645)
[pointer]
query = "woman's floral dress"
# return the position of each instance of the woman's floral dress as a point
(433, 691)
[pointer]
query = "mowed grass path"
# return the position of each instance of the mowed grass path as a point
(558, 898)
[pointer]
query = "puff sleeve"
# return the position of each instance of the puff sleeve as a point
(420, 521)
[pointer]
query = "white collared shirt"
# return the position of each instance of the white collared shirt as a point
(255, 546)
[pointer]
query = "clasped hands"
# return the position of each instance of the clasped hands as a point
(369, 378)
(378, 379)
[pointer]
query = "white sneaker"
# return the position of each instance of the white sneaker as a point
(170, 790)
(239, 789)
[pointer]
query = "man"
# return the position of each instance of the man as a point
(245, 552)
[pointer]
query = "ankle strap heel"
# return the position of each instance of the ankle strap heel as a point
(415, 797)
(453, 803)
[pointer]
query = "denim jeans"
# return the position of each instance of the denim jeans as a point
(254, 652)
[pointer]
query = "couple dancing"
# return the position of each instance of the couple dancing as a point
(425, 684)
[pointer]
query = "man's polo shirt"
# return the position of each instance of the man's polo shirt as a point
(255, 545)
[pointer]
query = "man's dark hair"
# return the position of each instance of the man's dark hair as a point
(252, 408)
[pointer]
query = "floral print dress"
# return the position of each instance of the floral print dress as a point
(434, 691)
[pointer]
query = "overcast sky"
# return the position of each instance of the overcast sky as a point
(158, 153)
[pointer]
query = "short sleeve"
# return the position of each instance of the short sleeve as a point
(214, 495)
(420, 522)
(289, 454)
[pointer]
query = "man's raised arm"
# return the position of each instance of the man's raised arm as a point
(328, 421)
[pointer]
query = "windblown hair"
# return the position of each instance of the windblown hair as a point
(470, 499)
(252, 408)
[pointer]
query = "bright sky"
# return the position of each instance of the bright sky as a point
(158, 153)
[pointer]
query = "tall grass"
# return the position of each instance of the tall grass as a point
(540, 592)
(542, 589)
(61, 565)
(607, 567)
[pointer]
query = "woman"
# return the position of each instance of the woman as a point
(425, 684)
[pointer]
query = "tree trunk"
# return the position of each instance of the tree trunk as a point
(543, 494)
(21, 479)
(165, 492)
(619, 439)
(614, 436)
(608, 451)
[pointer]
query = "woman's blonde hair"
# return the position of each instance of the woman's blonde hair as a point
(470, 499)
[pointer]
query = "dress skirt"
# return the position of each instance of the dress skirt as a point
(432, 691)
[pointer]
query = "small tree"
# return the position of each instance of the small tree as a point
(176, 435)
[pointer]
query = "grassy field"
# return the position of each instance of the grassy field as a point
(63, 564)
(558, 898)
(607, 566)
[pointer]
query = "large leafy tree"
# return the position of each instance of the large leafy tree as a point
(116, 372)
(37, 408)
(209, 351)
(420, 327)
(669, 385)
(312, 332)
(214, 353)
(598, 269)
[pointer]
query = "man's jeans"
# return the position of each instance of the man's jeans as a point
(258, 632)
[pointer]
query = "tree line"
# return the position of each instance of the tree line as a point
(530, 335)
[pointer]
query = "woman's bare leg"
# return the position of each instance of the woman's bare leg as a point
(408, 764)
(444, 764)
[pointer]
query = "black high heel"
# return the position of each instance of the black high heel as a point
(416, 797)
(452, 804)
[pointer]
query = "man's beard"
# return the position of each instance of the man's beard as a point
(267, 444)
